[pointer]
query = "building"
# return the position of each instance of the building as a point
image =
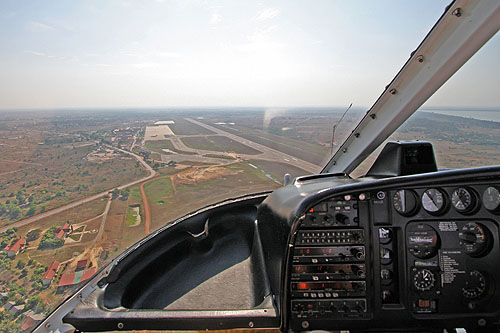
(63, 232)
(7, 306)
(50, 273)
(81, 265)
(16, 310)
(32, 319)
(73, 279)
(164, 122)
(13, 249)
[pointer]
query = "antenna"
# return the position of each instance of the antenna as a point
(335, 127)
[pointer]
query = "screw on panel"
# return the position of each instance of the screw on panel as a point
(305, 324)
(250, 324)
(344, 150)
(393, 91)
(457, 12)
(373, 116)
(47, 325)
(356, 135)
(481, 322)
(420, 58)
(120, 326)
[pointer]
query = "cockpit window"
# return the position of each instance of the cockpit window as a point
(118, 118)
(465, 135)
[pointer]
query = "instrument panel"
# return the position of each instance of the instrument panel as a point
(399, 254)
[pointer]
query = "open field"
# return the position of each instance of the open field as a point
(159, 132)
(196, 187)
(218, 143)
(75, 215)
(158, 190)
(65, 175)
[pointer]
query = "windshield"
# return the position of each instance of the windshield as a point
(119, 117)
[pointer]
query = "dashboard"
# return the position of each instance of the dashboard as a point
(327, 252)
(402, 253)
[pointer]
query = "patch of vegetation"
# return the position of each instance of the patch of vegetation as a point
(157, 190)
(225, 157)
(131, 218)
(75, 237)
(79, 229)
(33, 235)
(49, 241)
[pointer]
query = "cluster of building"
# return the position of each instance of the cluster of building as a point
(68, 280)
(124, 137)
(31, 319)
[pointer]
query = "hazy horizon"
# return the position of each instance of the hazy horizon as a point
(93, 54)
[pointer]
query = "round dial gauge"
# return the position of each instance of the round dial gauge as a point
(475, 285)
(405, 202)
(491, 198)
(424, 280)
(433, 201)
(474, 239)
(463, 200)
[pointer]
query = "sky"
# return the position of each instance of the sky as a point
(120, 53)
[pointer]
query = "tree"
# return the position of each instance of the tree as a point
(32, 210)
(14, 212)
(20, 264)
(33, 235)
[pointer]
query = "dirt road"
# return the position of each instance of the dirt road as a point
(147, 212)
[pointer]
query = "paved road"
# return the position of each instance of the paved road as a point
(269, 154)
(38, 217)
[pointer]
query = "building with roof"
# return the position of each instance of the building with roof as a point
(63, 232)
(32, 319)
(50, 273)
(7, 306)
(16, 310)
(164, 122)
(81, 265)
(73, 279)
(13, 249)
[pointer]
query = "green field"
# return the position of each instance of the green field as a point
(131, 217)
(219, 143)
(158, 190)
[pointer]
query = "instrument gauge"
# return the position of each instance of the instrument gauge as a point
(405, 202)
(491, 199)
(475, 285)
(474, 239)
(433, 201)
(424, 280)
(463, 200)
